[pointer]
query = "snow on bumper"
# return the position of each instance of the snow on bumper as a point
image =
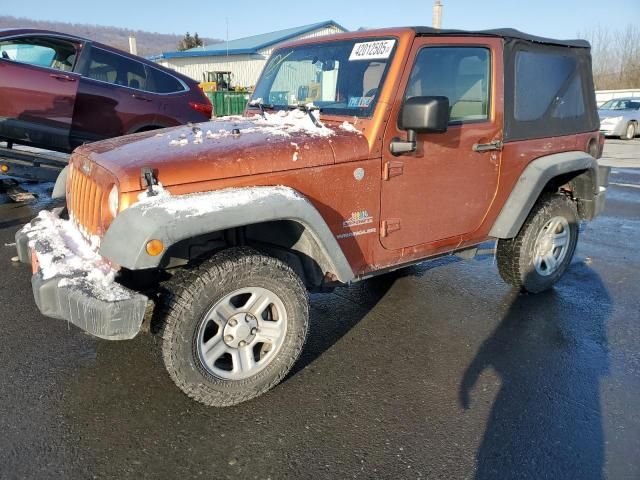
(74, 283)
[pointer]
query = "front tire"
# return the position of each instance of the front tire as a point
(630, 132)
(541, 252)
(233, 326)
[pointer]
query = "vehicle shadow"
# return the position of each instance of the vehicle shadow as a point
(356, 302)
(546, 414)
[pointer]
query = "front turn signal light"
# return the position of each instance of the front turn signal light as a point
(155, 247)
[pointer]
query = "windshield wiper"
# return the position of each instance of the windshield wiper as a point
(262, 106)
(309, 109)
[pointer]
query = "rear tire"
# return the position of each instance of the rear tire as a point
(541, 252)
(233, 326)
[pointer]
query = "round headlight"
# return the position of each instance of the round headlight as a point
(114, 200)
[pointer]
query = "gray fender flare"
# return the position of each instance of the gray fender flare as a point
(175, 218)
(533, 180)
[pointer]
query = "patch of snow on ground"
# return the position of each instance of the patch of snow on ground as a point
(349, 127)
(200, 203)
(62, 251)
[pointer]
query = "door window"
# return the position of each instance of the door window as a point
(116, 69)
(462, 74)
(49, 52)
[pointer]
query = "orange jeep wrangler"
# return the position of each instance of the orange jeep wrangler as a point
(359, 154)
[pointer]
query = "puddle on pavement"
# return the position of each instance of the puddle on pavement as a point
(16, 213)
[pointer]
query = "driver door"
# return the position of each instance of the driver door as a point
(444, 189)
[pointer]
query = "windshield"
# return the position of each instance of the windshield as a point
(621, 105)
(341, 78)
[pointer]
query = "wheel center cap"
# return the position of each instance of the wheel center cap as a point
(546, 245)
(240, 330)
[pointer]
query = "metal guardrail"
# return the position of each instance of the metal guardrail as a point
(38, 166)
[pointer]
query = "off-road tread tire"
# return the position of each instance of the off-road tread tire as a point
(513, 255)
(181, 301)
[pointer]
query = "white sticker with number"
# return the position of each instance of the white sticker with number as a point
(377, 50)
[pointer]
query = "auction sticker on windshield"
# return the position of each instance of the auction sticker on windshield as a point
(377, 50)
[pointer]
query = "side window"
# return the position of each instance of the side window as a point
(462, 74)
(112, 68)
(163, 83)
(49, 52)
(547, 85)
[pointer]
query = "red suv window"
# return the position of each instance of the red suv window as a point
(117, 69)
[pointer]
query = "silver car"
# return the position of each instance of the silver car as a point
(620, 117)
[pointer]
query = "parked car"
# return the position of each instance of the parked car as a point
(620, 117)
(361, 153)
(59, 91)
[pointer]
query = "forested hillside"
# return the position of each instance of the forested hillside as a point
(149, 43)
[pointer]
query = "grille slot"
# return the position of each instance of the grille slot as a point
(83, 201)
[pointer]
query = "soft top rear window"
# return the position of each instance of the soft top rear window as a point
(548, 91)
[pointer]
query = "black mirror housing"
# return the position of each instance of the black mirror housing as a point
(425, 114)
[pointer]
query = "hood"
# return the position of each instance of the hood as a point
(227, 147)
(611, 113)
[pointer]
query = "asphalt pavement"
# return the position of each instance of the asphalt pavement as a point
(441, 371)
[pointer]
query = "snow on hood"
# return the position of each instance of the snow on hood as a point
(206, 202)
(282, 123)
(227, 147)
(62, 251)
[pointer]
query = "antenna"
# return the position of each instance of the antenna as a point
(227, 18)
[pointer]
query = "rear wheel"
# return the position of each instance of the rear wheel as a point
(541, 252)
(233, 326)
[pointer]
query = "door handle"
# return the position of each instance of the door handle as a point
(59, 76)
(486, 147)
(140, 97)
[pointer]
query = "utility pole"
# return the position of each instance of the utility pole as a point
(436, 19)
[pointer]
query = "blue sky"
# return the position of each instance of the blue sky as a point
(559, 18)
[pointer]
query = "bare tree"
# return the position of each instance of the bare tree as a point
(616, 57)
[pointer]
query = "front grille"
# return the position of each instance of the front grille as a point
(84, 198)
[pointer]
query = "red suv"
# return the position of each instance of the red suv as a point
(59, 91)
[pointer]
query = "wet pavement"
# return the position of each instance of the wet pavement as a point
(441, 371)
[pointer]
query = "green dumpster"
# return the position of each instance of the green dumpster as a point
(228, 103)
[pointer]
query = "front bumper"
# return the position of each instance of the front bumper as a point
(64, 297)
(613, 130)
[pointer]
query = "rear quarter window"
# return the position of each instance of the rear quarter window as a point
(162, 82)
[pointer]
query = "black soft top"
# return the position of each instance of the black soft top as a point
(508, 33)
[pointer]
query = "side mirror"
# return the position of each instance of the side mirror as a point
(425, 114)
(420, 115)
